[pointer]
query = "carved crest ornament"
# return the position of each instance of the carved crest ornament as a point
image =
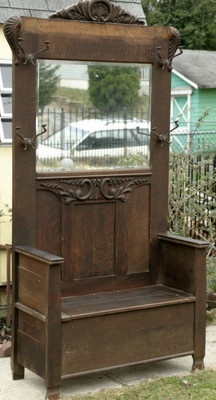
(99, 11)
(81, 189)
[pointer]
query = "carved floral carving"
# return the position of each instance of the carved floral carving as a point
(97, 11)
(82, 189)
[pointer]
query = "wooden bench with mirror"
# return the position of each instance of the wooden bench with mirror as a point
(98, 282)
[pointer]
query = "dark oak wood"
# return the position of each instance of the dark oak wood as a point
(97, 281)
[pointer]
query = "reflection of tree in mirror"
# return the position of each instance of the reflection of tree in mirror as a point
(113, 88)
(48, 81)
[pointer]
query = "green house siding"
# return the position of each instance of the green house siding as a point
(199, 108)
(201, 101)
(207, 102)
(176, 81)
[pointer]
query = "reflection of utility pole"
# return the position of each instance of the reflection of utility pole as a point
(125, 131)
(62, 125)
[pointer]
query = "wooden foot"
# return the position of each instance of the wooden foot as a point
(198, 363)
(53, 393)
(18, 371)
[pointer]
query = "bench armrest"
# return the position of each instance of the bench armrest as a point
(39, 255)
(36, 275)
(183, 263)
(37, 310)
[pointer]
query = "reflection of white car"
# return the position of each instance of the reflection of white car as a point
(90, 139)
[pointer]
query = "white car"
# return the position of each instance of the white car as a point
(89, 140)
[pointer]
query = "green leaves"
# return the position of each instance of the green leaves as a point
(195, 20)
(113, 88)
(47, 83)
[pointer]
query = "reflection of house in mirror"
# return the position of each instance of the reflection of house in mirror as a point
(144, 80)
(76, 77)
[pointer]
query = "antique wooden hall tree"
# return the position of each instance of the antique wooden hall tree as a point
(98, 282)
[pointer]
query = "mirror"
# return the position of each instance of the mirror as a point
(97, 115)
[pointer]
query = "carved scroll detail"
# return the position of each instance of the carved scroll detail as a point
(82, 189)
(174, 44)
(97, 11)
(12, 33)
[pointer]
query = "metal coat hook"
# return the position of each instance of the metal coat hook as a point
(167, 62)
(29, 57)
(165, 138)
(29, 142)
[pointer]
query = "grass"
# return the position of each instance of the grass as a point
(73, 95)
(200, 386)
(211, 274)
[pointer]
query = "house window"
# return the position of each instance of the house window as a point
(181, 108)
(5, 102)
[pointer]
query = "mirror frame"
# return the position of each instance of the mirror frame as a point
(104, 32)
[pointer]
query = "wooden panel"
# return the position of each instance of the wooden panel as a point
(138, 336)
(138, 230)
(94, 240)
(24, 115)
(178, 266)
(49, 224)
(110, 42)
(31, 353)
(30, 264)
(31, 326)
(33, 280)
(160, 119)
(104, 283)
(32, 290)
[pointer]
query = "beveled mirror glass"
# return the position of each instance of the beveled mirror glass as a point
(97, 115)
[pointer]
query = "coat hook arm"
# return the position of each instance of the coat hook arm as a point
(28, 141)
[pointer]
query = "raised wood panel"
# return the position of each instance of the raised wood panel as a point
(97, 239)
(93, 246)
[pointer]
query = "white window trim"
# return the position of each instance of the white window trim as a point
(3, 115)
(3, 140)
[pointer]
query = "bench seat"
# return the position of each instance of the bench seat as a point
(124, 327)
(118, 301)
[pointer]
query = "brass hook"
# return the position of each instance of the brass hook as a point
(29, 142)
(167, 62)
(29, 57)
(165, 138)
